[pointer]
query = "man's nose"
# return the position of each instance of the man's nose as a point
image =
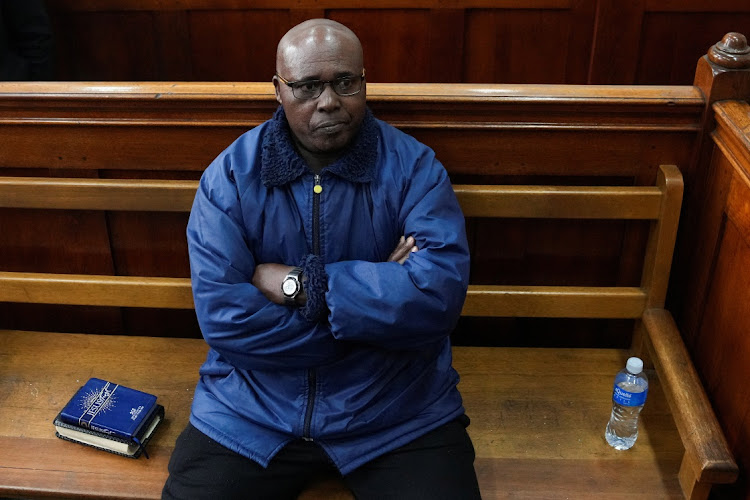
(328, 99)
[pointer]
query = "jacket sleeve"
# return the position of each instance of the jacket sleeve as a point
(416, 304)
(236, 319)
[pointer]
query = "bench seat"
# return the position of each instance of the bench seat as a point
(537, 424)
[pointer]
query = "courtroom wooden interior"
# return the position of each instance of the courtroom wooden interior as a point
(671, 457)
(521, 134)
(644, 42)
(568, 134)
(715, 316)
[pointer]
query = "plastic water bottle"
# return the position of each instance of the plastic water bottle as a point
(628, 398)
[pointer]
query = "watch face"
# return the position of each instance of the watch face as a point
(289, 286)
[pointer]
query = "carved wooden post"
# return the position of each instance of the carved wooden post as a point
(723, 73)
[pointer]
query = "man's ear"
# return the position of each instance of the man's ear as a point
(277, 89)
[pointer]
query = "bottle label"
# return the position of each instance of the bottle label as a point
(625, 398)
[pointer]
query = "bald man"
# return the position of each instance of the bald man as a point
(329, 266)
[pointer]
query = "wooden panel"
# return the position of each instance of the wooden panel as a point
(235, 45)
(446, 41)
(667, 56)
(697, 6)
(554, 252)
(215, 40)
(614, 51)
(716, 308)
(722, 352)
(396, 43)
(540, 152)
(582, 25)
(105, 46)
(174, 62)
(541, 41)
(515, 46)
(135, 5)
(137, 148)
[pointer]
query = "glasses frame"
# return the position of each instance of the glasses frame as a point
(323, 86)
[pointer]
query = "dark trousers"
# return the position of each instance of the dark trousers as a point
(439, 465)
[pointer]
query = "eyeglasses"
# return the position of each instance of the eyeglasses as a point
(312, 89)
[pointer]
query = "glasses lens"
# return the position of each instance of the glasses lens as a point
(311, 89)
(347, 85)
(307, 90)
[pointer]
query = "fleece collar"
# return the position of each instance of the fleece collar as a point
(280, 162)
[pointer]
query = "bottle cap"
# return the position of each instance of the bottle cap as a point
(634, 365)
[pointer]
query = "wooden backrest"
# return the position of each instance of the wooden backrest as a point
(660, 204)
(483, 134)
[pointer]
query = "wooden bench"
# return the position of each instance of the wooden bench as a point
(538, 414)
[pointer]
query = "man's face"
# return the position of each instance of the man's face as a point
(327, 124)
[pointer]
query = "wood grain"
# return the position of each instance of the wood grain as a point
(495, 41)
(525, 423)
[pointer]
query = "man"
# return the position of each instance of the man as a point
(329, 265)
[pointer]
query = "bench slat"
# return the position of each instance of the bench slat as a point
(96, 290)
(554, 301)
(98, 194)
(560, 202)
(602, 202)
(155, 292)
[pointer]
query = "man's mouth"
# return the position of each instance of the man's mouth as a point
(331, 127)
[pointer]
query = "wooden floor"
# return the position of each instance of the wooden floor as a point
(538, 418)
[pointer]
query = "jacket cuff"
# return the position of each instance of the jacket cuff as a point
(316, 286)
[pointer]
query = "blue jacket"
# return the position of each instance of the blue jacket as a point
(365, 366)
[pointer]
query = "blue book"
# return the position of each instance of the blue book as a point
(110, 416)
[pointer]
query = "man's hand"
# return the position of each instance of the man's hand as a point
(268, 278)
(404, 248)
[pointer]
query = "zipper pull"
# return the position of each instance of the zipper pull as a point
(317, 189)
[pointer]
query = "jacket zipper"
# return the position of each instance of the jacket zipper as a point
(311, 373)
(317, 189)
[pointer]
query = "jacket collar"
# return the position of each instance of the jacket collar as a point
(280, 162)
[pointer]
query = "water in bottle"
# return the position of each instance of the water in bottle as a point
(628, 398)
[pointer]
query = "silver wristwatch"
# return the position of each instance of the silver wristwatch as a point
(292, 286)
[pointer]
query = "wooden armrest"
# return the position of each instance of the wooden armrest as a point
(707, 457)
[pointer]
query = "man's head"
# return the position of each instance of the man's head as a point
(321, 49)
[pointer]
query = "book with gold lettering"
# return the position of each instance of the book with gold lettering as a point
(110, 417)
